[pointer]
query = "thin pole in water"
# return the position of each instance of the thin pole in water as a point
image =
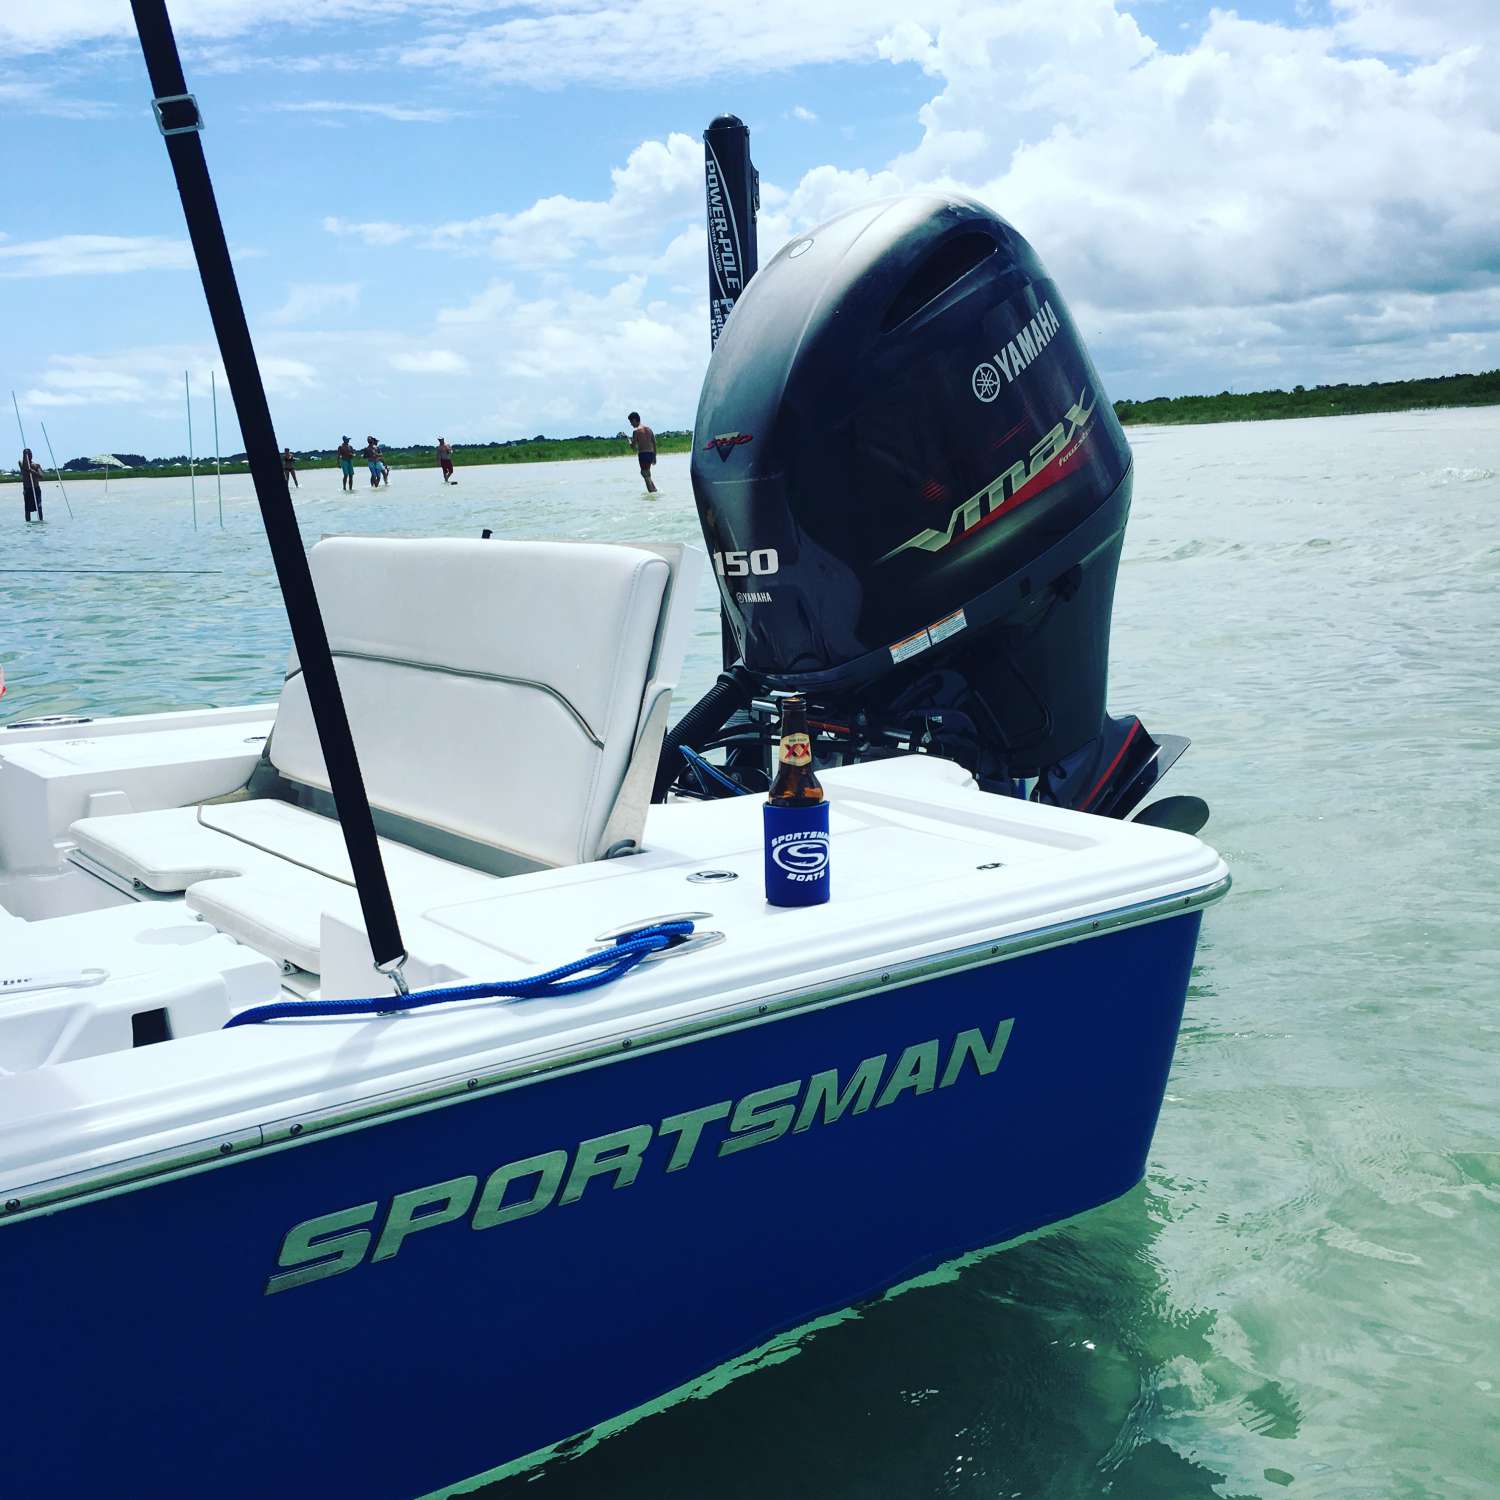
(19, 428)
(58, 472)
(192, 473)
(213, 388)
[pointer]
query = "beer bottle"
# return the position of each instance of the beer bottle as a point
(796, 783)
(795, 817)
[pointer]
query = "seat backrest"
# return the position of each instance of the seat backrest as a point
(505, 694)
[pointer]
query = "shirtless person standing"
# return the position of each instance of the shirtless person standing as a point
(445, 459)
(31, 484)
(643, 440)
(346, 463)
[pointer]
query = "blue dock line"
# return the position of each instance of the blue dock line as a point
(591, 971)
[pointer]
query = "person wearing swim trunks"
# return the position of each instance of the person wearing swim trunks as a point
(643, 440)
(377, 464)
(346, 462)
(445, 458)
(289, 467)
(31, 484)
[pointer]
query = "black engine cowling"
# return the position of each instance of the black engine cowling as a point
(915, 492)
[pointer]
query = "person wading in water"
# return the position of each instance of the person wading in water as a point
(31, 484)
(289, 467)
(346, 463)
(643, 440)
(445, 459)
(376, 463)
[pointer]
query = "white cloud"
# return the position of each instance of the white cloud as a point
(72, 379)
(405, 113)
(660, 186)
(46, 398)
(430, 362)
(93, 255)
(1267, 203)
(140, 389)
(40, 97)
(374, 232)
(489, 306)
(233, 57)
(127, 389)
(1261, 165)
(316, 299)
(1258, 201)
(28, 27)
(575, 361)
(285, 376)
(556, 42)
(803, 113)
(1264, 194)
(1417, 28)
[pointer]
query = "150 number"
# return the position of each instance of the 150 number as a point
(741, 564)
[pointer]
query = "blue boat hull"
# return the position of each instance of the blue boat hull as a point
(143, 1346)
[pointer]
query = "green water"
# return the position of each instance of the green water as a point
(1303, 1297)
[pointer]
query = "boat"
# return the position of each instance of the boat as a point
(404, 1078)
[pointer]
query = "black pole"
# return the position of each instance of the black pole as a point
(733, 187)
(178, 115)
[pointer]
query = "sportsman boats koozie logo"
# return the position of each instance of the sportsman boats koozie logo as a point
(804, 856)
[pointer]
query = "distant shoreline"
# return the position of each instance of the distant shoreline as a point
(1438, 393)
(473, 455)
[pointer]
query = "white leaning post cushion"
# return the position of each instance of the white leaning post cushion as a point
(494, 688)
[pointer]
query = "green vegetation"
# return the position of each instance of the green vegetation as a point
(1319, 401)
(423, 456)
(1245, 406)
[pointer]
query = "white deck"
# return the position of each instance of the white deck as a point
(924, 865)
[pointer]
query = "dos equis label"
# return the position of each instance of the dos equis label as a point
(796, 750)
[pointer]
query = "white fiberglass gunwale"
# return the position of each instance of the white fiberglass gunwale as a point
(108, 1123)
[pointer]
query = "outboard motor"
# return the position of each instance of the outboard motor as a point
(914, 491)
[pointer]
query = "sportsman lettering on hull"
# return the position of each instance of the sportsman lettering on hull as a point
(1008, 489)
(336, 1242)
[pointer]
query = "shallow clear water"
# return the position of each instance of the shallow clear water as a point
(1303, 1297)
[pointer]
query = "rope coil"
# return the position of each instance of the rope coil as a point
(587, 973)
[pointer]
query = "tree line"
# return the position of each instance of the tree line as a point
(1339, 400)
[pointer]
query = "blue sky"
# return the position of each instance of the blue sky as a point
(486, 219)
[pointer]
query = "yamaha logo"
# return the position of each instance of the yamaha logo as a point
(1014, 358)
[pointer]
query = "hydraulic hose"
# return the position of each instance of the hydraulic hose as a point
(732, 692)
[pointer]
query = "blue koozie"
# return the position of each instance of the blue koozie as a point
(796, 854)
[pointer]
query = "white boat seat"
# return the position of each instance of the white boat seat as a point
(507, 701)
(164, 851)
(265, 871)
(496, 690)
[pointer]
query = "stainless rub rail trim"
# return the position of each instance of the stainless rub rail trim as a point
(22, 1202)
(340, 652)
